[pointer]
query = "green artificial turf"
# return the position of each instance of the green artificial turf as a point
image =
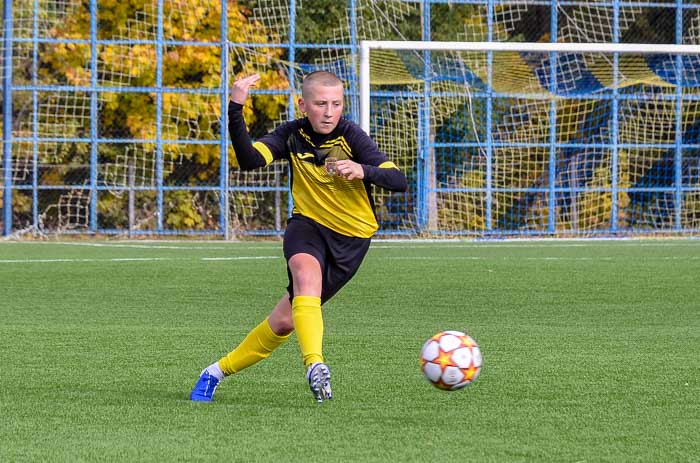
(591, 353)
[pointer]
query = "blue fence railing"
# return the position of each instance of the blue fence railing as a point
(113, 121)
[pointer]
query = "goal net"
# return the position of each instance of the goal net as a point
(539, 138)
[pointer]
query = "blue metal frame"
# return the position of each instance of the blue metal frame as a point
(678, 148)
(292, 84)
(355, 107)
(552, 172)
(94, 116)
(159, 118)
(615, 123)
(223, 130)
(489, 121)
(423, 187)
(7, 119)
(35, 119)
(425, 158)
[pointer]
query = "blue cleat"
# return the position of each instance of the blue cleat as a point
(319, 377)
(203, 391)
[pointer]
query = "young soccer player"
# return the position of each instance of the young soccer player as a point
(333, 164)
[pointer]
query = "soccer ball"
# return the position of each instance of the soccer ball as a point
(450, 360)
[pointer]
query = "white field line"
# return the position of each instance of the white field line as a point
(592, 259)
(134, 259)
(130, 245)
(253, 258)
(394, 244)
(387, 243)
(534, 240)
(535, 245)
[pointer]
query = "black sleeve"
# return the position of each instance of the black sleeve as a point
(248, 157)
(390, 178)
(376, 165)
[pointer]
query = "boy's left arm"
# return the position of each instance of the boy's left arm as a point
(386, 175)
(377, 167)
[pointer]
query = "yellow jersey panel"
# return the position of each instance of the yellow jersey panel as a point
(339, 204)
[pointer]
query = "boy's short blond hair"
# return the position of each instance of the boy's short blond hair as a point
(324, 78)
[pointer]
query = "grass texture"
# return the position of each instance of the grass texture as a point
(591, 353)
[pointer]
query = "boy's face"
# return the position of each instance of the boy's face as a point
(323, 106)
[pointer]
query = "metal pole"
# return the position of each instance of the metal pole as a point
(223, 132)
(534, 47)
(94, 116)
(354, 113)
(428, 218)
(489, 122)
(292, 84)
(278, 202)
(35, 118)
(678, 151)
(159, 117)
(552, 173)
(131, 181)
(364, 86)
(614, 173)
(7, 119)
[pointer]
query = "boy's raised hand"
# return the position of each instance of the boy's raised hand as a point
(239, 90)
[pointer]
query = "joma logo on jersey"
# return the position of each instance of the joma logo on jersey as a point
(306, 155)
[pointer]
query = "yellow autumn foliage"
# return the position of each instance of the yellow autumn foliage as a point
(127, 57)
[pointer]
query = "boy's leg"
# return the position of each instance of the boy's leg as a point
(256, 346)
(306, 276)
(308, 322)
(306, 306)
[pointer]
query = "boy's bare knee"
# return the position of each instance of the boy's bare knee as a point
(280, 318)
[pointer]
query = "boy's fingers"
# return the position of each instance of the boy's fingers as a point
(240, 87)
(248, 80)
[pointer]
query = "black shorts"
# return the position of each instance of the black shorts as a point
(340, 256)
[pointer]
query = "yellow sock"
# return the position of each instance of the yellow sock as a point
(308, 323)
(258, 345)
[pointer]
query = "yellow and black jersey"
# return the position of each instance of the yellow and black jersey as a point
(345, 206)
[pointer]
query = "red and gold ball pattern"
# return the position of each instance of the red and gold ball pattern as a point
(451, 360)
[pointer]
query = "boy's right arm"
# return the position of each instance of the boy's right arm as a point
(248, 154)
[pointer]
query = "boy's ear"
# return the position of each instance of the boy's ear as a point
(302, 105)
